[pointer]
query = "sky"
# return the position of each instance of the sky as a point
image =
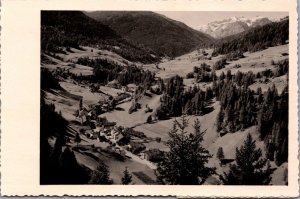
(197, 18)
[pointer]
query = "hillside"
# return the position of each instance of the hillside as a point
(61, 30)
(232, 26)
(157, 32)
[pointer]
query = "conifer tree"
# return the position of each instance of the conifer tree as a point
(250, 167)
(149, 119)
(185, 163)
(220, 153)
(100, 175)
(77, 139)
(127, 177)
(80, 104)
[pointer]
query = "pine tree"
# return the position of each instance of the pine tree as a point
(185, 163)
(100, 175)
(220, 120)
(149, 119)
(80, 104)
(70, 170)
(250, 167)
(127, 177)
(77, 139)
(220, 153)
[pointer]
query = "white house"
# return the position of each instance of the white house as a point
(131, 87)
(82, 115)
(123, 89)
(144, 155)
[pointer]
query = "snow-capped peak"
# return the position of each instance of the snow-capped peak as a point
(232, 25)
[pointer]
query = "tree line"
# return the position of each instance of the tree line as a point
(203, 73)
(272, 119)
(105, 71)
(242, 108)
(176, 100)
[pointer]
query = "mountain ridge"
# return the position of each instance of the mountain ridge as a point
(155, 31)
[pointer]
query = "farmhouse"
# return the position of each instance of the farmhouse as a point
(144, 155)
(124, 89)
(113, 84)
(115, 136)
(89, 133)
(131, 88)
(83, 115)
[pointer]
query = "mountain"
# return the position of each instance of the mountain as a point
(65, 29)
(254, 39)
(231, 26)
(157, 32)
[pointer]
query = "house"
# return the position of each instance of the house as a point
(103, 132)
(83, 116)
(105, 107)
(144, 155)
(115, 136)
(120, 150)
(152, 155)
(111, 103)
(89, 133)
(98, 129)
(128, 147)
(113, 84)
(131, 88)
(124, 89)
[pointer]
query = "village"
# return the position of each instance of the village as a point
(123, 141)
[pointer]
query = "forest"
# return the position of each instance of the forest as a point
(105, 71)
(240, 107)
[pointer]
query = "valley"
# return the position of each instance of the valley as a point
(117, 111)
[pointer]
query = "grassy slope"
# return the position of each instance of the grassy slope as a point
(256, 62)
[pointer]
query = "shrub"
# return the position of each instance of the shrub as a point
(158, 139)
(137, 147)
(155, 155)
(190, 75)
(220, 64)
(134, 107)
(220, 153)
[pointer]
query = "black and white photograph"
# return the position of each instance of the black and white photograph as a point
(164, 97)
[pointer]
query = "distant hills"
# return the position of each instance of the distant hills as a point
(157, 32)
(72, 29)
(232, 25)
